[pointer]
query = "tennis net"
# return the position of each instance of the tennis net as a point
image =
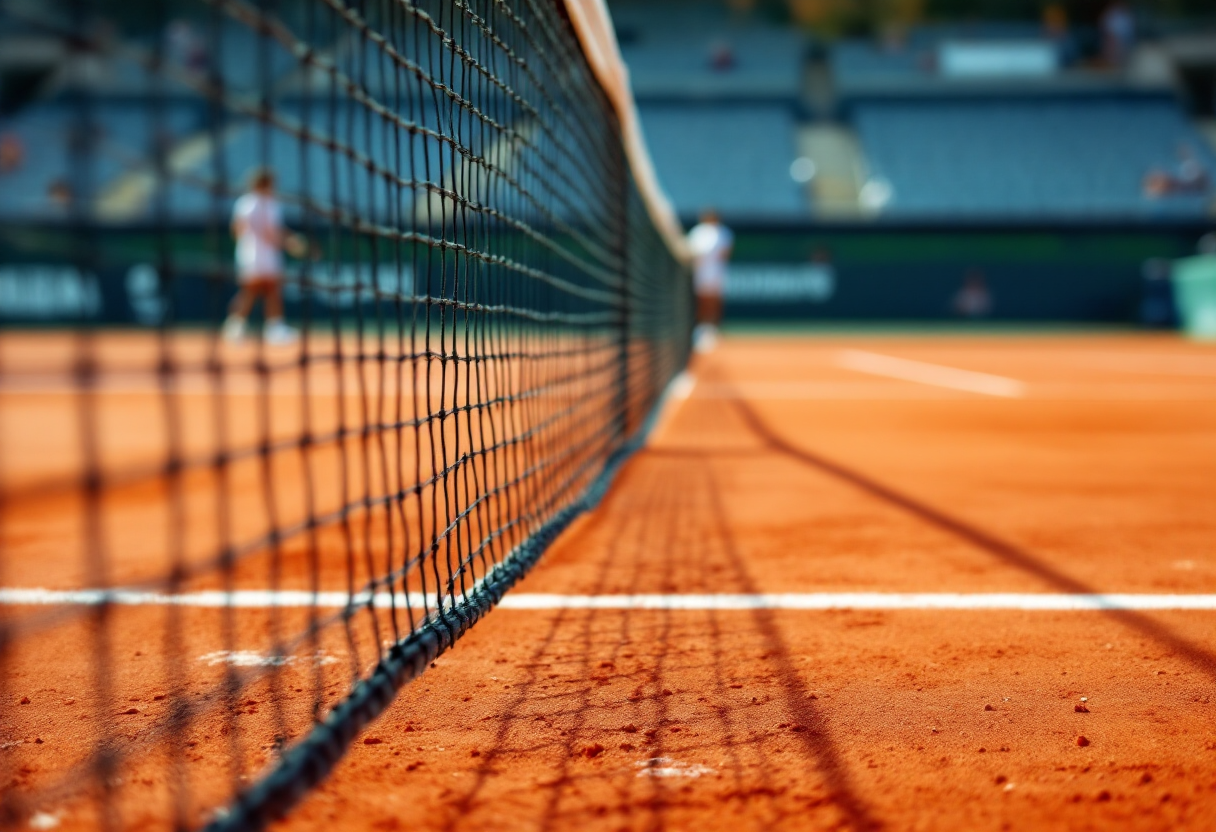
(234, 524)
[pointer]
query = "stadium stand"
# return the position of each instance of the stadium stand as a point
(1054, 158)
(912, 64)
(913, 53)
(719, 97)
(854, 62)
(118, 84)
(715, 56)
(1011, 141)
(762, 63)
(308, 173)
(120, 133)
(734, 157)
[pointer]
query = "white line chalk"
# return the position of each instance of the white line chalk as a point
(865, 600)
(265, 599)
(681, 386)
(936, 375)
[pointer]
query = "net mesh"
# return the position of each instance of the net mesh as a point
(223, 555)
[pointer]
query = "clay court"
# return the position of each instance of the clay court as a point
(607, 415)
(903, 581)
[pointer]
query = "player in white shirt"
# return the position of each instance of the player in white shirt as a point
(711, 243)
(257, 225)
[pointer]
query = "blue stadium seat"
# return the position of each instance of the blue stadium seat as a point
(1032, 158)
(734, 157)
(669, 51)
(121, 136)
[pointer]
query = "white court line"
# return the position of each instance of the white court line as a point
(936, 375)
(264, 599)
(679, 389)
(681, 386)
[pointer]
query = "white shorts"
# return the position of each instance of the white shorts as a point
(709, 281)
(257, 261)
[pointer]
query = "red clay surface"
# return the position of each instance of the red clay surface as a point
(786, 472)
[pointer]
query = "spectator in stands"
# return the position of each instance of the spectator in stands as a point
(721, 56)
(1118, 33)
(1193, 176)
(186, 47)
(822, 273)
(12, 152)
(893, 38)
(1157, 183)
(1156, 294)
(257, 225)
(973, 300)
(711, 243)
(1056, 30)
(59, 192)
(1190, 178)
(1055, 21)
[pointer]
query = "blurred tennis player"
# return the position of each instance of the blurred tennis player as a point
(710, 242)
(257, 225)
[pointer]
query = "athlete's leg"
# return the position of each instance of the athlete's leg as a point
(274, 300)
(709, 313)
(242, 304)
(240, 307)
(277, 331)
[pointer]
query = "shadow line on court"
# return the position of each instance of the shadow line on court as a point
(986, 541)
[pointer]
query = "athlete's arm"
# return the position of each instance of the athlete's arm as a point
(296, 245)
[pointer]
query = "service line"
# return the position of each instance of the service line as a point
(265, 599)
(936, 375)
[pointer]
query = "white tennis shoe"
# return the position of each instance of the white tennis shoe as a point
(278, 333)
